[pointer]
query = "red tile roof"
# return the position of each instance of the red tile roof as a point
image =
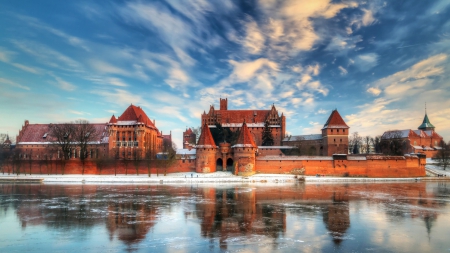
(239, 116)
(113, 119)
(245, 137)
(188, 131)
(335, 121)
(135, 113)
(35, 133)
(206, 139)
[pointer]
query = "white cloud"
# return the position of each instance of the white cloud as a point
(425, 69)
(13, 84)
(343, 70)
(25, 68)
(374, 91)
(365, 62)
(64, 85)
(5, 55)
(117, 82)
(254, 39)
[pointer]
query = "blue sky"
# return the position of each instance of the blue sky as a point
(377, 62)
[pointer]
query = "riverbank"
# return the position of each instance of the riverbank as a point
(217, 177)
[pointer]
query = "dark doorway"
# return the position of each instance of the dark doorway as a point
(230, 165)
(219, 164)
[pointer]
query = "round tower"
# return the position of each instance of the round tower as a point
(206, 152)
(245, 153)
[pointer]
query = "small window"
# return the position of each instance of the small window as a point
(45, 135)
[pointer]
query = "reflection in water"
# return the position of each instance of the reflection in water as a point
(311, 217)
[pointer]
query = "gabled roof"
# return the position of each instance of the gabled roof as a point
(188, 131)
(40, 133)
(396, 134)
(206, 140)
(245, 137)
(335, 121)
(135, 113)
(308, 137)
(426, 123)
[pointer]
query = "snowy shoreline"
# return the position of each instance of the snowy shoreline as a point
(216, 178)
(185, 178)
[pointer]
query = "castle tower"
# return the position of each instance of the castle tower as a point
(224, 104)
(206, 152)
(335, 135)
(244, 153)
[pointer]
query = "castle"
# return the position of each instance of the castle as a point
(133, 137)
(130, 135)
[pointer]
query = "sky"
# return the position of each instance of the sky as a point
(377, 62)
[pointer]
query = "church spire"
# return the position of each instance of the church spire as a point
(426, 124)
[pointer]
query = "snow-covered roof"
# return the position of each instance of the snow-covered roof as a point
(307, 137)
(185, 151)
(417, 147)
(297, 158)
(261, 124)
(243, 146)
(126, 123)
(276, 147)
(356, 158)
(396, 134)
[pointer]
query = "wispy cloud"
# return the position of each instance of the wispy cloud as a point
(13, 84)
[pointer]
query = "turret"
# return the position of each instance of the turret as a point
(335, 135)
(245, 153)
(206, 152)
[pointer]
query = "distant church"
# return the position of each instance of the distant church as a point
(423, 140)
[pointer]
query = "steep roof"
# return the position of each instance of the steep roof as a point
(40, 134)
(206, 140)
(335, 121)
(245, 137)
(426, 125)
(135, 113)
(188, 131)
(113, 119)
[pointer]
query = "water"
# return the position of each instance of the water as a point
(356, 217)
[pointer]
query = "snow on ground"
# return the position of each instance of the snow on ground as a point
(189, 178)
(217, 177)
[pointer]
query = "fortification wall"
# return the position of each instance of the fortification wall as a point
(372, 167)
(93, 168)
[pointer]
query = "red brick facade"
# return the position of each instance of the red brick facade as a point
(255, 120)
(424, 140)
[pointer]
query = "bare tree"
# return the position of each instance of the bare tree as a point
(30, 160)
(443, 155)
(137, 157)
(84, 135)
(392, 143)
(169, 154)
(376, 143)
(149, 159)
(355, 142)
(366, 144)
(196, 131)
(63, 137)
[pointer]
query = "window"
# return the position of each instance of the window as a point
(338, 130)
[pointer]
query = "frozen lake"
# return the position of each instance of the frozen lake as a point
(297, 217)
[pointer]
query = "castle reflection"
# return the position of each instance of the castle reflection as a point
(130, 212)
